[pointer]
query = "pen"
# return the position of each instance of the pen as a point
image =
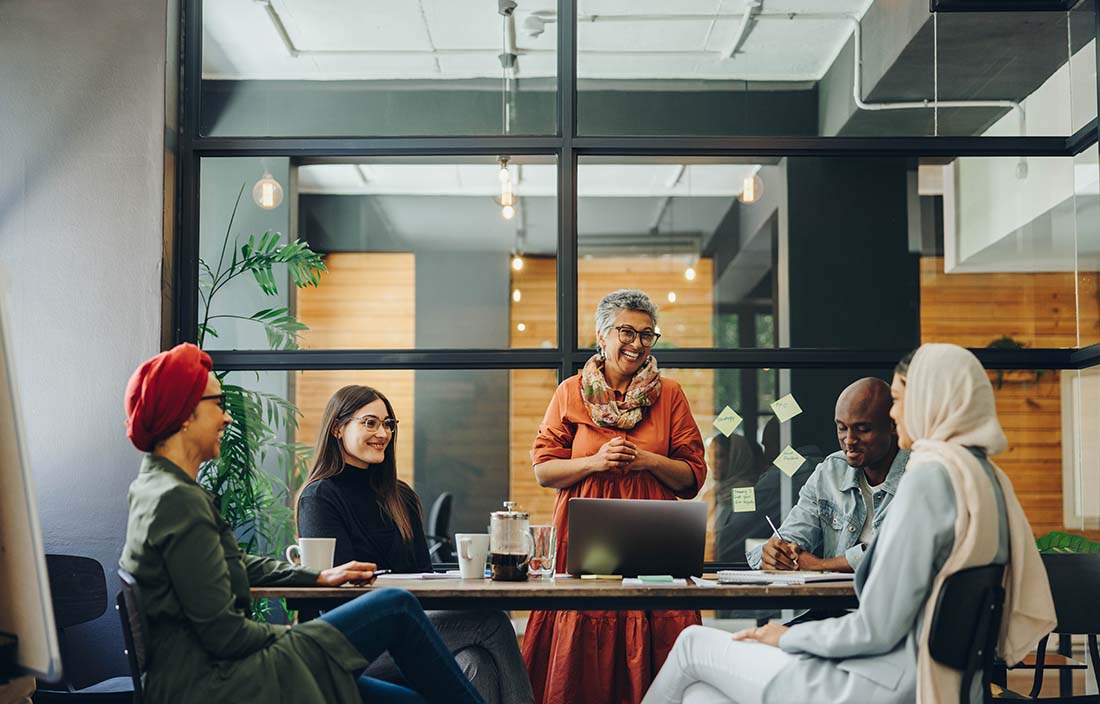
(378, 572)
(779, 535)
(774, 529)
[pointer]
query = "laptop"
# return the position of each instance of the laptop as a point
(630, 537)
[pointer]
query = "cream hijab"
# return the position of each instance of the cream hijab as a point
(949, 406)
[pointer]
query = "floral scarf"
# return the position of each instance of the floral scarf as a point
(599, 398)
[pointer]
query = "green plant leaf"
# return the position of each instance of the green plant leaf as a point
(1058, 541)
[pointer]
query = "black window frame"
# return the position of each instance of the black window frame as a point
(567, 147)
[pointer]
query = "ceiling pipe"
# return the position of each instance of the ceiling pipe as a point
(752, 7)
(857, 97)
(280, 28)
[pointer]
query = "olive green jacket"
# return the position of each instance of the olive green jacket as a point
(202, 645)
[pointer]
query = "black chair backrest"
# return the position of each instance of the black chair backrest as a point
(439, 526)
(1074, 583)
(78, 589)
(966, 622)
(134, 629)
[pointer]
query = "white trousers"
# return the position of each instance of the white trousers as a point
(707, 666)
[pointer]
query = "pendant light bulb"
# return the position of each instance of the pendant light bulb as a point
(517, 296)
(671, 296)
(503, 175)
(752, 189)
(689, 273)
(517, 263)
(267, 193)
(507, 212)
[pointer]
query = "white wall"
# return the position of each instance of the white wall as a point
(991, 202)
(82, 95)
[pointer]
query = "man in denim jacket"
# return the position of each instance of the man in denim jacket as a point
(844, 501)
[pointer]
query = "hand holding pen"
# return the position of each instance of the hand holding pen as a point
(779, 553)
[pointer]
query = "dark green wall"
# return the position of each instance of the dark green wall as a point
(348, 108)
(853, 282)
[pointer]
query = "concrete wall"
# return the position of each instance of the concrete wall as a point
(81, 201)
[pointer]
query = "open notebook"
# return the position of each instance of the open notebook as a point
(758, 577)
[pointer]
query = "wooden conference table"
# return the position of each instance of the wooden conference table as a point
(577, 594)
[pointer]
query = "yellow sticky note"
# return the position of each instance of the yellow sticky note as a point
(789, 461)
(727, 421)
(744, 499)
(786, 408)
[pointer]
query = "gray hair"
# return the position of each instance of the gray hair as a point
(622, 300)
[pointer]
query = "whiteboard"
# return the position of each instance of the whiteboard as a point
(25, 606)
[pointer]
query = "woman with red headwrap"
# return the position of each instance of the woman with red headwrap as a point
(202, 645)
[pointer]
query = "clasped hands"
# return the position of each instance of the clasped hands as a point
(619, 453)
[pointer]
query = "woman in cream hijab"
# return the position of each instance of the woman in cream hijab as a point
(954, 509)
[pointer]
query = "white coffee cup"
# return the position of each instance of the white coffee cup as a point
(314, 553)
(473, 550)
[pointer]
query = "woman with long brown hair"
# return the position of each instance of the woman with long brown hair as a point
(353, 494)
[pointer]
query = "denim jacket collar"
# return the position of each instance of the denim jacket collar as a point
(893, 477)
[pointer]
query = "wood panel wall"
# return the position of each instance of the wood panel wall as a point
(1038, 310)
(364, 301)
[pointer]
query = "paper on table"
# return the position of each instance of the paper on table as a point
(744, 499)
(761, 577)
(789, 461)
(786, 408)
(421, 575)
(727, 421)
(635, 582)
(700, 582)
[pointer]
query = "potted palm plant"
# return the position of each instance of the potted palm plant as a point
(254, 502)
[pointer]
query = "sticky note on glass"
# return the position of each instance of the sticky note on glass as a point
(789, 461)
(727, 421)
(744, 499)
(786, 408)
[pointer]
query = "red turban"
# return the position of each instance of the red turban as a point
(162, 393)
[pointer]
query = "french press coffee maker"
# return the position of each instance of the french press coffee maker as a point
(510, 543)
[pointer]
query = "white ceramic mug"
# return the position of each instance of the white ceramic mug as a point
(314, 553)
(473, 550)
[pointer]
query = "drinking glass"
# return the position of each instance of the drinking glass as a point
(546, 549)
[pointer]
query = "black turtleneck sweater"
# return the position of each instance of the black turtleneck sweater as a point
(346, 508)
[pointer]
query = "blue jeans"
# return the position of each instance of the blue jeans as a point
(392, 620)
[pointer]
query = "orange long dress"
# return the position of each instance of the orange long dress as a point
(599, 657)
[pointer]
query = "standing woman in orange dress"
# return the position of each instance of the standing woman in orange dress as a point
(617, 430)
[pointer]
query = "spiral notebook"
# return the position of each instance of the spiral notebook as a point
(758, 577)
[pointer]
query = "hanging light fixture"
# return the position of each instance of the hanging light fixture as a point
(690, 273)
(517, 296)
(507, 198)
(517, 262)
(671, 296)
(752, 189)
(267, 193)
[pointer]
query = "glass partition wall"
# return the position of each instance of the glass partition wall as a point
(806, 196)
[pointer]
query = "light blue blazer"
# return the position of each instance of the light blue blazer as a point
(870, 655)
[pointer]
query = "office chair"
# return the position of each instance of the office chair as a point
(441, 544)
(78, 590)
(1074, 583)
(131, 612)
(965, 625)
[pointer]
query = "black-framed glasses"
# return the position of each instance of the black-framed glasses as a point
(216, 398)
(627, 335)
(372, 423)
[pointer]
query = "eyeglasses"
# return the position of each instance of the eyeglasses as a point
(628, 334)
(372, 423)
(217, 398)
